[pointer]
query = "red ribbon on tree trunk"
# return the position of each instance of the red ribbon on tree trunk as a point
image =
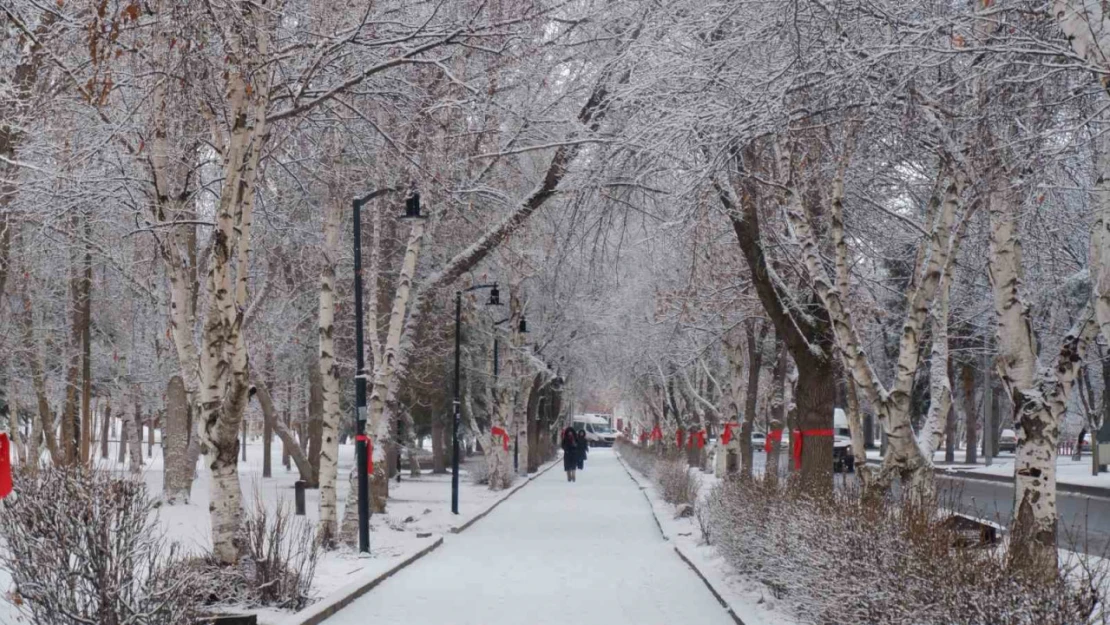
(697, 437)
(797, 443)
(679, 437)
(727, 436)
(496, 431)
(362, 438)
(656, 434)
(774, 437)
(5, 466)
(643, 437)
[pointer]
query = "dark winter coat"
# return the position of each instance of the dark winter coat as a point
(583, 445)
(570, 450)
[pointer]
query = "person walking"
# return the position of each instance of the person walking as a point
(583, 447)
(570, 453)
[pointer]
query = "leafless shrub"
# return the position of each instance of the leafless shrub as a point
(83, 546)
(705, 523)
(842, 561)
(479, 474)
(279, 556)
(677, 484)
(640, 459)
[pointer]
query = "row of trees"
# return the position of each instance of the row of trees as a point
(892, 208)
(175, 223)
(885, 207)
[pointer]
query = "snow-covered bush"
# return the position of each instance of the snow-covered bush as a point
(838, 561)
(677, 484)
(83, 546)
(638, 458)
(279, 556)
(479, 473)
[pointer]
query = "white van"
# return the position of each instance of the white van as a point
(598, 431)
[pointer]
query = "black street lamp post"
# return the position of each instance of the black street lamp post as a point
(361, 439)
(494, 300)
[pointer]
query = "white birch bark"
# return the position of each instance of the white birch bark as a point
(1039, 400)
(499, 466)
(377, 421)
(904, 456)
(329, 373)
(518, 381)
(178, 473)
(224, 362)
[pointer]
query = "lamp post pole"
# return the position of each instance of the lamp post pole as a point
(360, 393)
(457, 417)
(456, 404)
(361, 440)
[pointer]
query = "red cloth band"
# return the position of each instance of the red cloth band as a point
(797, 443)
(679, 437)
(362, 438)
(774, 437)
(727, 435)
(656, 434)
(700, 437)
(496, 431)
(5, 466)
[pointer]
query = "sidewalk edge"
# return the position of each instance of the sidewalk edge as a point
(342, 598)
(678, 550)
(481, 515)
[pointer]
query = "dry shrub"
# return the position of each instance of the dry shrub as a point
(83, 546)
(669, 470)
(640, 459)
(676, 483)
(841, 562)
(276, 566)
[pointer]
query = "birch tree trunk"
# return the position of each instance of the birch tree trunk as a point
(288, 441)
(224, 364)
(1038, 402)
(755, 365)
(904, 456)
(521, 381)
(499, 465)
(327, 532)
(778, 410)
(377, 424)
(105, 427)
(135, 433)
(315, 430)
(178, 473)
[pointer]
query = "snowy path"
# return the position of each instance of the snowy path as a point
(555, 553)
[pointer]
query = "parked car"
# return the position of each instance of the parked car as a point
(1007, 441)
(759, 439)
(843, 460)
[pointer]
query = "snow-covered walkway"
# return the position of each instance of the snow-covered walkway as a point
(584, 553)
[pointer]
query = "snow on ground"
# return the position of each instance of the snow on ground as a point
(1068, 471)
(749, 600)
(416, 506)
(586, 553)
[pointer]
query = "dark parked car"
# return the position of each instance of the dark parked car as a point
(1007, 441)
(843, 460)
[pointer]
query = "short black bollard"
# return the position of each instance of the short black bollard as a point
(298, 497)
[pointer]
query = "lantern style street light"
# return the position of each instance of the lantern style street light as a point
(360, 380)
(494, 300)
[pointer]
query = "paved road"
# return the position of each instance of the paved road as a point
(1084, 521)
(555, 553)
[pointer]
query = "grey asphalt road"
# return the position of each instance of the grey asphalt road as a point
(1084, 521)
